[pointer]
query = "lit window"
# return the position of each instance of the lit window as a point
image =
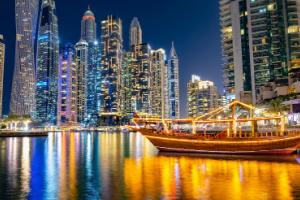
(262, 10)
(293, 29)
(271, 6)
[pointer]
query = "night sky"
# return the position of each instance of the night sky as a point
(193, 25)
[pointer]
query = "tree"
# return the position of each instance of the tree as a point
(276, 106)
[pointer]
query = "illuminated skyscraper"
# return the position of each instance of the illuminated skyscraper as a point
(158, 83)
(2, 62)
(82, 64)
(67, 87)
(135, 32)
(23, 86)
(128, 79)
(92, 84)
(202, 97)
(47, 64)
(88, 55)
(141, 69)
(111, 66)
(173, 84)
(88, 26)
(260, 42)
(293, 30)
(141, 57)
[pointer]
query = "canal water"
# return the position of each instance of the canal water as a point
(127, 166)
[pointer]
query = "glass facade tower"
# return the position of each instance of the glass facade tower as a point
(260, 42)
(81, 48)
(173, 84)
(89, 59)
(135, 32)
(47, 64)
(2, 62)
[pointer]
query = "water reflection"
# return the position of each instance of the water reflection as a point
(127, 166)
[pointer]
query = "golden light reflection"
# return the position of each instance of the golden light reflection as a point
(63, 184)
(115, 166)
(73, 167)
(203, 178)
(25, 165)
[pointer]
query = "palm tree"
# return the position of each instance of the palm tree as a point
(276, 106)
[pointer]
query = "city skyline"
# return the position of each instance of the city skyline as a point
(159, 100)
(188, 65)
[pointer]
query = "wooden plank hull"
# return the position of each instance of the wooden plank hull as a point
(260, 152)
(275, 145)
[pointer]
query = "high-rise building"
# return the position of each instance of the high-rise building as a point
(259, 41)
(202, 97)
(173, 84)
(141, 57)
(158, 83)
(67, 87)
(47, 64)
(93, 84)
(127, 78)
(135, 32)
(82, 65)
(293, 36)
(2, 62)
(88, 26)
(111, 66)
(234, 21)
(88, 55)
(23, 86)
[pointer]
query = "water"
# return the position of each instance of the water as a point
(127, 166)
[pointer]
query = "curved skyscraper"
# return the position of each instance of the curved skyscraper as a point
(47, 64)
(23, 86)
(135, 32)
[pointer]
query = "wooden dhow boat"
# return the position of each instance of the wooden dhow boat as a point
(233, 129)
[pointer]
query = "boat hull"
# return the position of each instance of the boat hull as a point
(279, 145)
(259, 152)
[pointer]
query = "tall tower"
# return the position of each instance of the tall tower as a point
(293, 30)
(135, 32)
(47, 64)
(235, 48)
(88, 26)
(173, 84)
(82, 64)
(141, 83)
(23, 86)
(111, 65)
(2, 61)
(158, 82)
(92, 84)
(260, 42)
(67, 87)
(127, 78)
(90, 71)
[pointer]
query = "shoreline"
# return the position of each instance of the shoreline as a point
(24, 134)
